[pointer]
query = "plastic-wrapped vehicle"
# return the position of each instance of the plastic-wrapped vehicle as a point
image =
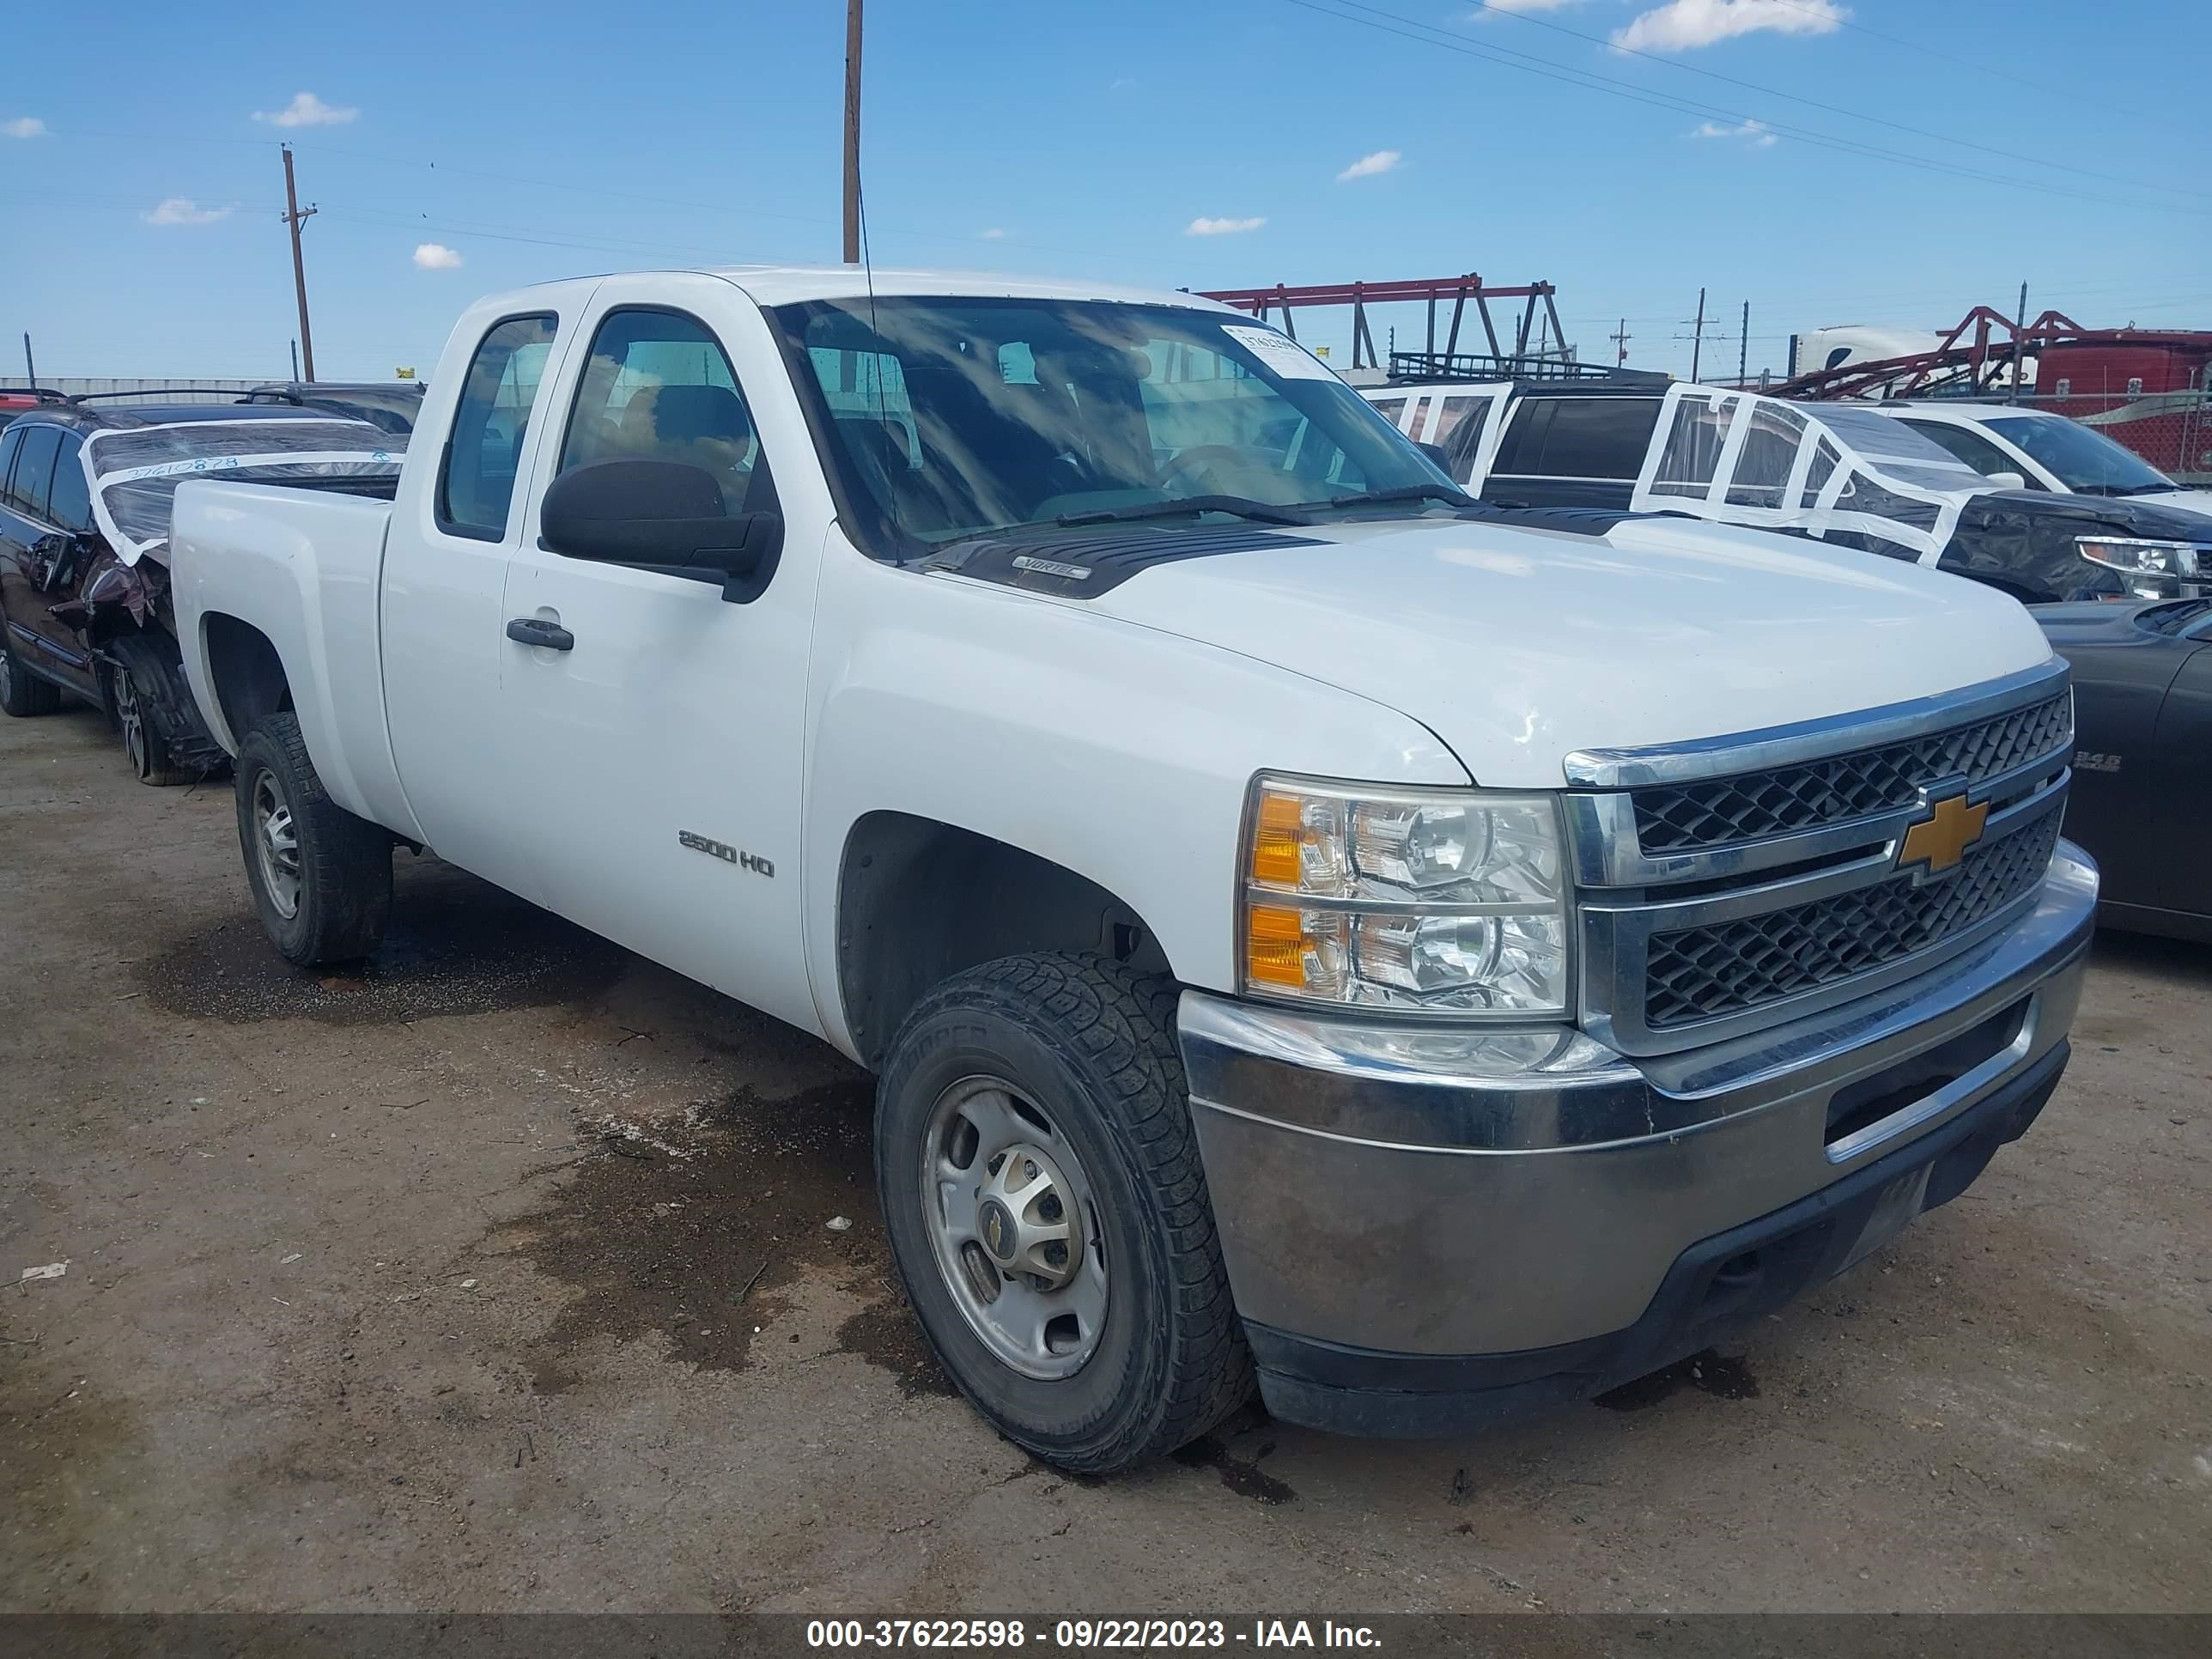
(1837, 472)
(85, 498)
(391, 404)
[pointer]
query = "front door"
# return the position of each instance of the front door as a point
(659, 750)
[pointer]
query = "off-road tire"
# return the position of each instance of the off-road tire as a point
(23, 693)
(344, 861)
(1094, 1044)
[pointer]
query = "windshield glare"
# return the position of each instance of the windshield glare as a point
(2078, 457)
(951, 417)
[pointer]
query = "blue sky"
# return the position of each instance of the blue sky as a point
(139, 193)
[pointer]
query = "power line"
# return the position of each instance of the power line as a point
(1429, 35)
(1816, 103)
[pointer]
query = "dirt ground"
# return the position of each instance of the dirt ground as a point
(499, 1276)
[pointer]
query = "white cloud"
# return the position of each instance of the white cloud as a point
(1221, 226)
(436, 256)
(993, 234)
(1367, 166)
(183, 210)
(305, 110)
(1682, 25)
(1754, 132)
(24, 126)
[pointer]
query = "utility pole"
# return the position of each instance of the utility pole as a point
(2019, 346)
(1743, 348)
(852, 132)
(294, 218)
(295, 362)
(30, 369)
(1698, 339)
(1621, 337)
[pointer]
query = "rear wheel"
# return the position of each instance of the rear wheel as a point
(23, 693)
(1042, 1187)
(321, 877)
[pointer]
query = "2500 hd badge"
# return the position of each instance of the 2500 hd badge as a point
(724, 851)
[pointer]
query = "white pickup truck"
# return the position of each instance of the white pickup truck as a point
(1450, 960)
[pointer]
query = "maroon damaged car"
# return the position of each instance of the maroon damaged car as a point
(85, 494)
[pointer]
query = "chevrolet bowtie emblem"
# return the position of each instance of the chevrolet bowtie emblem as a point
(1941, 840)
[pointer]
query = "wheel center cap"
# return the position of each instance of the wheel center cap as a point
(994, 1223)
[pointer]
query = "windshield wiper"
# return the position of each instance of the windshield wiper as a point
(1421, 492)
(1237, 507)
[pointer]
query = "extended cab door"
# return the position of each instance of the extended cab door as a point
(445, 578)
(658, 751)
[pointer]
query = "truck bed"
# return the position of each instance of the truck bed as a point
(301, 564)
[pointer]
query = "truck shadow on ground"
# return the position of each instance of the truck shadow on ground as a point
(455, 946)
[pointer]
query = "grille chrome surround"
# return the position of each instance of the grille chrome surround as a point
(1803, 905)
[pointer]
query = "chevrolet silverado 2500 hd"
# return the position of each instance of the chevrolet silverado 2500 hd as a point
(1450, 960)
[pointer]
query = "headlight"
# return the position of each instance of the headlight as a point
(2186, 561)
(1437, 902)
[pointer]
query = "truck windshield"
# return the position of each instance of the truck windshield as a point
(948, 418)
(2085, 461)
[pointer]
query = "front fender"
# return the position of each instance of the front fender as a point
(1118, 751)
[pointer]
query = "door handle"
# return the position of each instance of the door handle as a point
(536, 630)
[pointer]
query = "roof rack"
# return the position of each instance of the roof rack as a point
(156, 394)
(1414, 368)
(44, 394)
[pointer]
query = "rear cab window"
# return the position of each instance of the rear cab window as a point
(476, 484)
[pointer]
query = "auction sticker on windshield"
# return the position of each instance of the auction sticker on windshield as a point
(1281, 354)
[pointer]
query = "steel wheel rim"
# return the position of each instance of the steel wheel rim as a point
(989, 1149)
(277, 839)
(133, 719)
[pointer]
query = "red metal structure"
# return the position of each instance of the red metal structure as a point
(2149, 389)
(1262, 303)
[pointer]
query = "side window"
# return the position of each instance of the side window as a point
(27, 486)
(1390, 409)
(1598, 437)
(1693, 446)
(477, 489)
(1459, 426)
(1972, 447)
(1523, 442)
(658, 387)
(1769, 449)
(10, 441)
(70, 506)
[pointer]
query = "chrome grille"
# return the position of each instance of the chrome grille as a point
(1725, 884)
(1703, 973)
(1678, 818)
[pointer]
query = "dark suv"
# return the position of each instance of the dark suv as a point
(84, 582)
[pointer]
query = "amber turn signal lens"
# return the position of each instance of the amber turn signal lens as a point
(1274, 947)
(1275, 859)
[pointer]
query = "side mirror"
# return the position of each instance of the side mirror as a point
(657, 516)
(1438, 454)
(2009, 480)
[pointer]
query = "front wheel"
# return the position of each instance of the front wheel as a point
(1047, 1209)
(321, 877)
(143, 743)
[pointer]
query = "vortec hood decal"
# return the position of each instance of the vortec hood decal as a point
(1084, 567)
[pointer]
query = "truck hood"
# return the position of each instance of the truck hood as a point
(1518, 646)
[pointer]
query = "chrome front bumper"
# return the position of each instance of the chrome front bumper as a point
(1395, 1191)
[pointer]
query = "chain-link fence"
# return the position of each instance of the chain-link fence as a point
(2171, 430)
